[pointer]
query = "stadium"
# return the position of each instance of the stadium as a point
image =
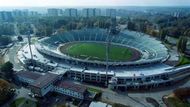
(138, 49)
(129, 60)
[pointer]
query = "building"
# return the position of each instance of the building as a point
(33, 13)
(91, 12)
(44, 84)
(23, 13)
(27, 77)
(111, 13)
(71, 12)
(97, 12)
(89, 75)
(54, 12)
(71, 89)
(85, 12)
(6, 16)
(17, 13)
(41, 84)
(145, 73)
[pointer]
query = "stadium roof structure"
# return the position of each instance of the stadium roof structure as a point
(152, 50)
(123, 72)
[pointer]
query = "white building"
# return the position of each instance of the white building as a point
(70, 89)
(6, 16)
(54, 12)
(97, 12)
(71, 12)
(91, 12)
(111, 13)
(85, 12)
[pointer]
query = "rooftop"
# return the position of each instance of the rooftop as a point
(29, 75)
(44, 80)
(71, 86)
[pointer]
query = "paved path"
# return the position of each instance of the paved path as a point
(138, 99)
(11, 56)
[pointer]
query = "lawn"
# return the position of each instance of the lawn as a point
(94, 90)
(97, 51)
(176, 102)
(34, 40)
(23, 102)
(183, 60)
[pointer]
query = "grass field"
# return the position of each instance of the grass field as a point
(97, 51)
(23, 102)
(183, 60)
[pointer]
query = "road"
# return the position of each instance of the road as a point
(120, 97)
(11, 56)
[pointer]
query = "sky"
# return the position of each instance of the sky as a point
(39, 3)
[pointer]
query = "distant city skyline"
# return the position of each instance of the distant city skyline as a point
(72, 3)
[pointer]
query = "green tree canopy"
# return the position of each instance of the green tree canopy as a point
(7, 69)
(4, 90)
(5, 40)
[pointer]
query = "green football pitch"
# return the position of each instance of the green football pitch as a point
(97, 51)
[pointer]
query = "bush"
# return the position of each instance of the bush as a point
(5, 40)
(7, 69)
(98, 96)
(182, 93)
(119, 105)
(176, 102)
(76, 102)
(183, 60)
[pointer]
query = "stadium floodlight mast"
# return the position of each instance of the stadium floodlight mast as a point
(29, 44)
(111, 31)
(107, 57)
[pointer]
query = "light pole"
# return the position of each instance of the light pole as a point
(29, 44)
(111, 31)
(107, 57)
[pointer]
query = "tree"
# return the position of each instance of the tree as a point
(163, 34)
(4, 91)
(187, 32)
(179, 45)
(58, 24)
(24, 28)
(7, 69)
(5, 40)
(131, 25)
(122, 20)
(6, 29)
(182, 42)
(19, 38)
